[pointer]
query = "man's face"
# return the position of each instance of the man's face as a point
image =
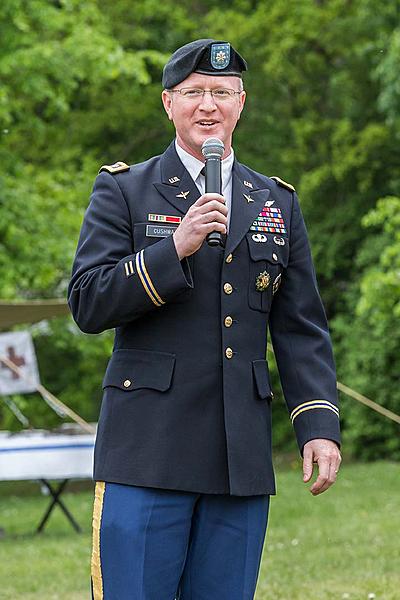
(197, 119)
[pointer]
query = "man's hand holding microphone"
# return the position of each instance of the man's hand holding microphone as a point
(207, 217)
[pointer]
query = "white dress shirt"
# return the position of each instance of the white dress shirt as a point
(193, 165)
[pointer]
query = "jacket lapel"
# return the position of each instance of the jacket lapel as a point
(247, 203)
(176, 186)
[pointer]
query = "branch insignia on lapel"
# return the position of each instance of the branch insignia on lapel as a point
(183, 194)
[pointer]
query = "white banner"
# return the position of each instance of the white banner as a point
(18, 348)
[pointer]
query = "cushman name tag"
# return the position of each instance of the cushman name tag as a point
(159, 230)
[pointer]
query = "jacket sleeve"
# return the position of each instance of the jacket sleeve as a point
(302, 344)
(111, 284)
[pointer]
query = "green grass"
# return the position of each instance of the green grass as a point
(342, 544)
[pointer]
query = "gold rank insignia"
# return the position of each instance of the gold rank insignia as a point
(262, 281)
(282, 183)
(117, 167)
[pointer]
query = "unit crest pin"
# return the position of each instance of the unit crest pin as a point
(262, 281)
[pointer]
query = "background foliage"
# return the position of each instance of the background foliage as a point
(80, 86)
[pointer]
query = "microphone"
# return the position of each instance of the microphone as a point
(212, 150)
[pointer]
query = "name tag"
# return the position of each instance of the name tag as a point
(158, 231)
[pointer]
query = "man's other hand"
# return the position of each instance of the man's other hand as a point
(327, 455)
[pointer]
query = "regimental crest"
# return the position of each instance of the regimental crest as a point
(220, 55)
(262, 281)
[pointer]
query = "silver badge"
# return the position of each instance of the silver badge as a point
(278, 240)
(259, 237)
(277, 283)
(173, 179)
(183, 195)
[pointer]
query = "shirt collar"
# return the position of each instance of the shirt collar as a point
(193, 165)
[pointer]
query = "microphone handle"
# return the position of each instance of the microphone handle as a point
(213, 185)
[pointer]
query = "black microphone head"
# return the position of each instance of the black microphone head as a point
(212, 147)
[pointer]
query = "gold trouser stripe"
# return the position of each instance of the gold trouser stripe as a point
(97, 578)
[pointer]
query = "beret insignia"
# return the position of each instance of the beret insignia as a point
(117, 167)
(220, 55)
(282, 183)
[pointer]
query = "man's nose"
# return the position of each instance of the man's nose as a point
(208, 101)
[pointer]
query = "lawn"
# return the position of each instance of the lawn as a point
(343, 544)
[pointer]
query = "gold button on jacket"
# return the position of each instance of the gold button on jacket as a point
(228, 289)
(228, 321)
(229, 353)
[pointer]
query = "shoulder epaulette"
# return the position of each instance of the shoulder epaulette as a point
(282, 183)
(117, 167)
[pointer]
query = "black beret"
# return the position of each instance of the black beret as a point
(210, 57)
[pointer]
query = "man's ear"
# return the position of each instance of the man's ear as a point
(166, 98)
(242, 100)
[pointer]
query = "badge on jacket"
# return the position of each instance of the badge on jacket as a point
(262, 281)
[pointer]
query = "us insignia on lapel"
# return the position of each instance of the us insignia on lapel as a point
(174, 179)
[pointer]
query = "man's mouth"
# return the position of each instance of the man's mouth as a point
(206, 123)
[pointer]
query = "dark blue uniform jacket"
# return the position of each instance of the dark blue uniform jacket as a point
(187, 395)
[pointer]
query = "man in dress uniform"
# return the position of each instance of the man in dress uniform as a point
(183, 465)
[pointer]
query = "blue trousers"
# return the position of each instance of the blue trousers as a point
(156, 544)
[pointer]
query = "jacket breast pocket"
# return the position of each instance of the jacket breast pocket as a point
(130, 369)
(269, 256)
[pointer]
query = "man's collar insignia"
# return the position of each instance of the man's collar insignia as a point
(183, 194)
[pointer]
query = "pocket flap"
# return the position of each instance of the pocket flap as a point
(131, 369)
(275, 253)
(261, 375)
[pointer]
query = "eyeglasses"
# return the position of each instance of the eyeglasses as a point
(197, 93)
